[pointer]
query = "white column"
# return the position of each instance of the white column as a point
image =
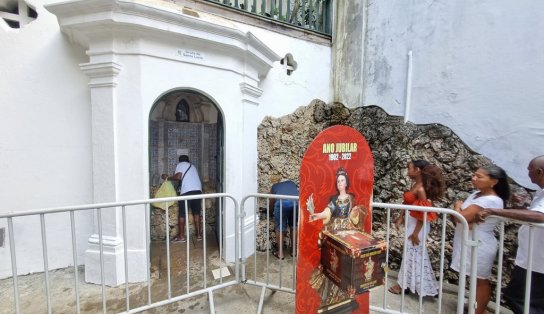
(250, 102)
(105, 176)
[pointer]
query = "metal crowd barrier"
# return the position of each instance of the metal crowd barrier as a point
(265, 282)
(467, 242)
(528, 278)
(246, 261)
(124, 206)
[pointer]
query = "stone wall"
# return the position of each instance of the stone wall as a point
(158, 216)
(282, 143)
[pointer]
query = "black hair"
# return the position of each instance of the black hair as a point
(183, 158)
(502, 188)
(432, 179)
(420, 163)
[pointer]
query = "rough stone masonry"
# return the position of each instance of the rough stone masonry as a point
(282, 143)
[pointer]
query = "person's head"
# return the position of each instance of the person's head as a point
(342, 180)
(492, 177)
(275, 178)
(415, 167)
(433, 181)
(183, 158)
(536, 171)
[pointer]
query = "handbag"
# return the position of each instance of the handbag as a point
(165, 190)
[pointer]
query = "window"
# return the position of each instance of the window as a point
(182, 111)
(16, 13)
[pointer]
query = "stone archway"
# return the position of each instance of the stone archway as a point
(185, 122)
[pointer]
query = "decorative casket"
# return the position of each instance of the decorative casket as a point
(353, 260)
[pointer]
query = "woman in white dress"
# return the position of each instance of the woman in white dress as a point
(428, 184)
(492, 192)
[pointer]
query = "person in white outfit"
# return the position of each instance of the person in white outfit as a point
(492, 191)
(514, 293)
(428, 184)
(187, 174)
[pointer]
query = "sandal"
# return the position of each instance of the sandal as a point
(199, 237)
(178, 239)
(276, 254)
(396, 289)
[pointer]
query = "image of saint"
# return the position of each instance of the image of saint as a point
(341, 214)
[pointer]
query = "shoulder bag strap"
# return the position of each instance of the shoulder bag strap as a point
(183, 176)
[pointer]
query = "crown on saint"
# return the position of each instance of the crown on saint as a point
(341, 171)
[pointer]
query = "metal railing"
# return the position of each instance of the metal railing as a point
(246, 268)
(264, 282)
(532, 227)
(124, 206)
(466, 242)
(312, 15)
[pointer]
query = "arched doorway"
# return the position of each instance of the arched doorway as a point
(185, 122)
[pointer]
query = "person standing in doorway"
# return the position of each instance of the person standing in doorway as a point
(289, 214)
(189, 184)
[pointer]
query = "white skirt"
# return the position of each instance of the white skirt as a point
(410, 269)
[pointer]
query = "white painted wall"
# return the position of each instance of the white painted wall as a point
(45, 145)
(47, 127)
(477, 68)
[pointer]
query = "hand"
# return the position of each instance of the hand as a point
(399, 220)
(457, 205)
(482, 215)
(164, 176)
(310, 205)
(314, 217)
(414, 238)
(360, 210)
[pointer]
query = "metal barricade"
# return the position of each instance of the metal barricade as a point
(123, 207)
(265, 282)
(252, 266)
(532, 227)
(462, 272)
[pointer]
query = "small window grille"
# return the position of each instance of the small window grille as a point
(17, 13)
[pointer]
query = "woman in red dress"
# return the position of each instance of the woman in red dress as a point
(428, 185)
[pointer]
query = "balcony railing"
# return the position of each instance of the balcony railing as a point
(312, 15)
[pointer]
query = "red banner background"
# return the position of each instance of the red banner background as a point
(318, 176)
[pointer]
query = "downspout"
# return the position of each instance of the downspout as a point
(408, 88)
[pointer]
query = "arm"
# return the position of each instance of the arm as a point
(325, 215)
(357, 213)
(414, 236)
(518, 214)
(469, 213)
(271, 201)
(400, 219)
(176, 176)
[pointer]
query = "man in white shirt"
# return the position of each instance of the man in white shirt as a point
(514, 293)
(190, 184)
